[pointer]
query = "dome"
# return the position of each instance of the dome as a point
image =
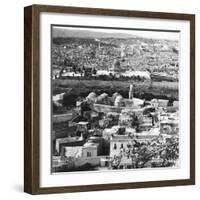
(118, 101)
(91, 96)
(104, 95)
(102, 98)
(115, 95)
(90, 144)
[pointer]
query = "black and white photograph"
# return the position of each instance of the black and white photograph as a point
(115, 98)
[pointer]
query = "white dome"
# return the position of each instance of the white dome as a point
(118, 100)
(101, 98)
(91, 96)
(115, 95)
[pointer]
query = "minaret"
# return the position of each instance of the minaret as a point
(131, 91)
(99, 45)
(122, 51)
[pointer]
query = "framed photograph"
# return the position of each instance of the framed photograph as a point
(109, 99)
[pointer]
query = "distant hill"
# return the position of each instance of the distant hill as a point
(59, 32)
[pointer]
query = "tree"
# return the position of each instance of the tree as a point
(167, 151)
(170, 152)
(143, 153)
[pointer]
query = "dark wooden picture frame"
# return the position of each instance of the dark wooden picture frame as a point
(32, 93)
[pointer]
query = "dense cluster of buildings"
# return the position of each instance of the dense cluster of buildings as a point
(110, 131)
(133, 58)
(113, 132)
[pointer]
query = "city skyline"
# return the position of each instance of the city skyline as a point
(149, 34)
(115, 100)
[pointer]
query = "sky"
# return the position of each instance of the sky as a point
(140, 33)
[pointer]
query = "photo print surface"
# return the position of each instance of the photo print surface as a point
(115, 99)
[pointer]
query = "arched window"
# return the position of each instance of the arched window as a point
(115, 146)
